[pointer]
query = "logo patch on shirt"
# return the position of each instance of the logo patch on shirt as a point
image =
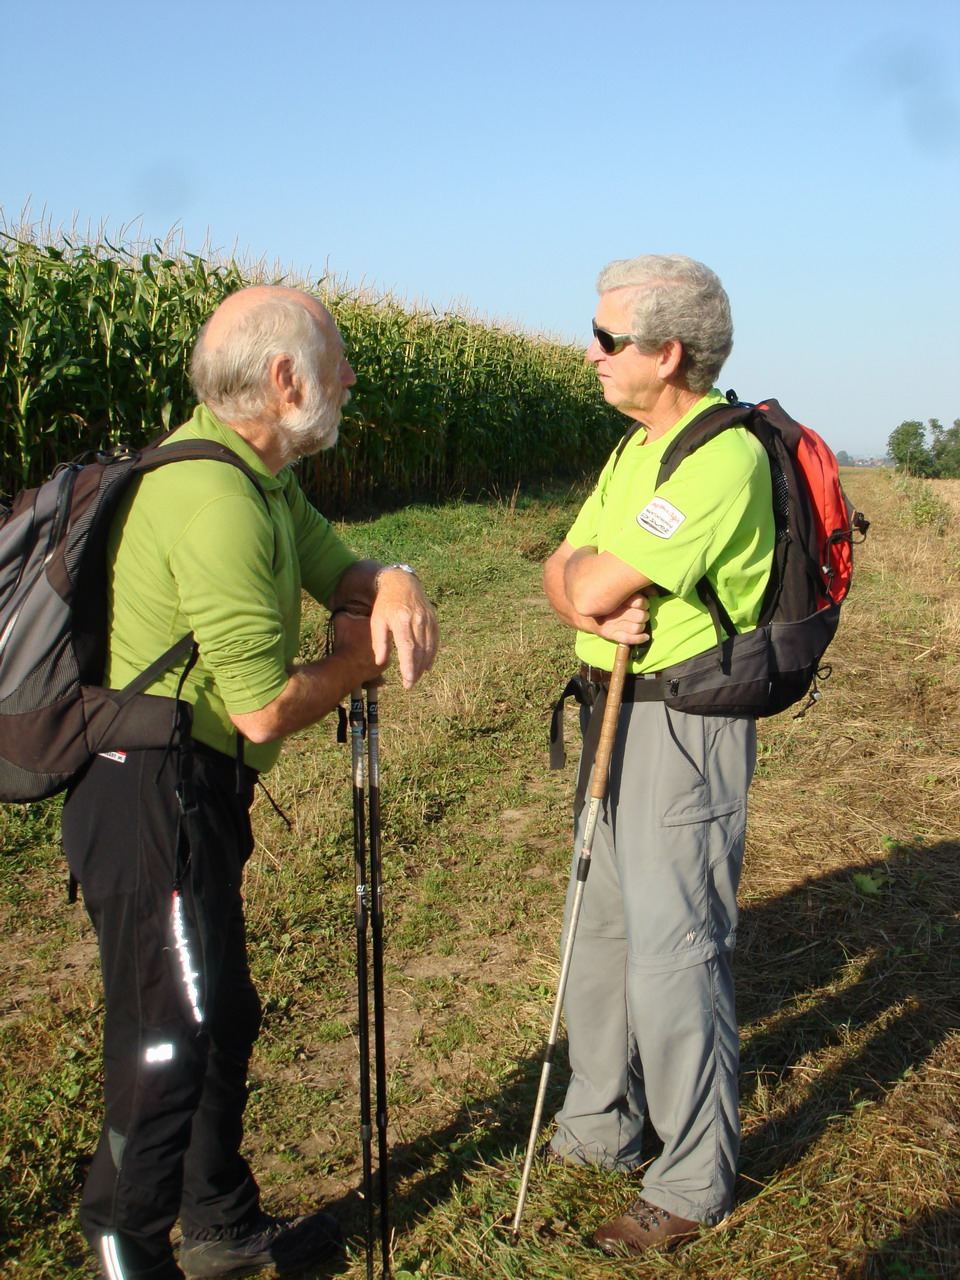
(119, 756)
(661, 518)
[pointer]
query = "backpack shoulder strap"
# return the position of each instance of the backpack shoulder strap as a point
(195, 450)
(706, 426)
(180, 649)
(625, 440)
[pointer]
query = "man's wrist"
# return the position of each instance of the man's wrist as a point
(386, 569)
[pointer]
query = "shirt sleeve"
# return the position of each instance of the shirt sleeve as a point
(222, 562)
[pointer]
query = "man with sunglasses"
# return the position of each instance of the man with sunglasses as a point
(650, 1001)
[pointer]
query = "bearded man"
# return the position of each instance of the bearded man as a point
(158, 838)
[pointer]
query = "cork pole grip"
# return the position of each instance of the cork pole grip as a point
(608, 730)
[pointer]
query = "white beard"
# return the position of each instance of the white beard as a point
(313, 427)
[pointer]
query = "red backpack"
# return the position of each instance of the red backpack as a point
(834, 519)
(764, 671)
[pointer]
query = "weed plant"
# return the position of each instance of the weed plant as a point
(925, 507)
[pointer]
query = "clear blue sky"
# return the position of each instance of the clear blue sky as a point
(496, 154)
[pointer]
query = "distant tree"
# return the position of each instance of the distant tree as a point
(907, 447)
(945, 449)
(844, 458)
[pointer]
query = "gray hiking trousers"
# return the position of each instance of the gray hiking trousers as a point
(650, 1011)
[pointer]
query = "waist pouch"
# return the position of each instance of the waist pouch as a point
(43, 749)
(733, 681)
(755, 673)
(138, 723)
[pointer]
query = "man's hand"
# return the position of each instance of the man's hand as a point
(402, 613)
(353, 643)
(628, 623)
(314, 689)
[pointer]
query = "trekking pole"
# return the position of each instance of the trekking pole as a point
(376, 910)
(598, 789)
(360, 915)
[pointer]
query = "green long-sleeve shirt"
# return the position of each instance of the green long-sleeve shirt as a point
(194, 548)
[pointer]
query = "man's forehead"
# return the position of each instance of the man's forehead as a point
(617, 302)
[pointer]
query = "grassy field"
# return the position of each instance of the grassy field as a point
(848, 964)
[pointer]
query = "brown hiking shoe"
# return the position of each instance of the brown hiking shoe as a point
(643, 1226)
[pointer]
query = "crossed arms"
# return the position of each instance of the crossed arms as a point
(598, 592)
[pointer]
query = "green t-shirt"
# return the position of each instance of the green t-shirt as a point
(194, 548)
(712, 517)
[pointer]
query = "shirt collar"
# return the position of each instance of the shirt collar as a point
(206, 426)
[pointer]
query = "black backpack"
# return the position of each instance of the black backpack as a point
(764, 671)
(54, 715)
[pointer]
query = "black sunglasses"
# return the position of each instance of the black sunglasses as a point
(612, 344)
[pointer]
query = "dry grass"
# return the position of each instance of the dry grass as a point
(847, 968)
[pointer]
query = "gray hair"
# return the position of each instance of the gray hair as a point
(676, 297)
(231, 376)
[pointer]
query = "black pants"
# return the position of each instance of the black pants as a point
(181, 1012)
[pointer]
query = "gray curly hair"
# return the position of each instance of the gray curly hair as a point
(676, 297)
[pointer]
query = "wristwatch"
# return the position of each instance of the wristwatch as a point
(405, 567)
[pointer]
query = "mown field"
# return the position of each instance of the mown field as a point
(848, 963)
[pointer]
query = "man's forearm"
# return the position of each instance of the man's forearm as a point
(311, 692)
(315, 688)
(625, 624)
(555, 591)
(598, 583)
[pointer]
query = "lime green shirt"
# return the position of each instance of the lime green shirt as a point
(712, 517)
(194, 548)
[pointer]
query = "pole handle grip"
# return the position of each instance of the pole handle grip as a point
(608, 730)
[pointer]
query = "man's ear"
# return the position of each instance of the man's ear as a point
(669, 358)
(282, 380)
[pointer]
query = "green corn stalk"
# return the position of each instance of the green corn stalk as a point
(95, 341)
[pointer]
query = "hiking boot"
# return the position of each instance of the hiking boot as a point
(284, 1243)
(644, 1226)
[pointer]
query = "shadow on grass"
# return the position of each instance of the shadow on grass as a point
(847, 985)
(927, 1249)
(487, 1131)
(849, 982)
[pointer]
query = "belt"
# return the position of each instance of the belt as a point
(597, 675)
(585, 688)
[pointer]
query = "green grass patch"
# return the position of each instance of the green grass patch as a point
(847, 960)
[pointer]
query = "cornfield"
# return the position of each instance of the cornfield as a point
(94, 348)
